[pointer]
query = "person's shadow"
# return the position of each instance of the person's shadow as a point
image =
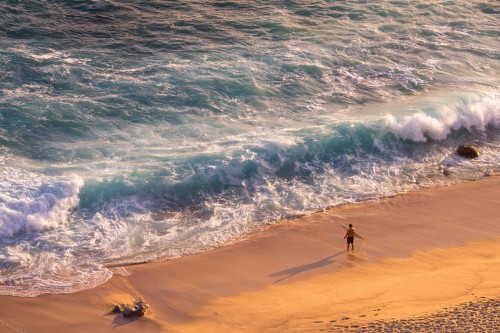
(307, 267)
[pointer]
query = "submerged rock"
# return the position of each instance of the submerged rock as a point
(447, 172)
(468, 151)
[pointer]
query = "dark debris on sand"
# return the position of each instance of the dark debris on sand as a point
(139, 309)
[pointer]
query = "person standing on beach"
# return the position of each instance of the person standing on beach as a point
(350, 237)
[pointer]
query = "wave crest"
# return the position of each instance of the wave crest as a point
(29, 204)
(470, 114)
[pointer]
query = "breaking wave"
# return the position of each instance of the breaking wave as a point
(476, 114)
(28, 204)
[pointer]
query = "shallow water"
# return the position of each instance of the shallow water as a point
(138, 130)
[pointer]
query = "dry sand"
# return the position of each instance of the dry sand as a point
(431, 263)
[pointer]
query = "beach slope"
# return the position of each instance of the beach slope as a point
(432, 257)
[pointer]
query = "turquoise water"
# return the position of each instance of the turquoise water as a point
(133, 131)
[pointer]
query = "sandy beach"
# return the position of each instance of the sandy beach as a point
(431, 262)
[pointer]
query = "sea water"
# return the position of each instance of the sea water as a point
(133, 131)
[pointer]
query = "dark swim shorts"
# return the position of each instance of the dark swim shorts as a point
(350, 240)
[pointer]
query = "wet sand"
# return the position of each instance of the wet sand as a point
(429, 254)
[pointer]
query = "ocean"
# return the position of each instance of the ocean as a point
(135, 131)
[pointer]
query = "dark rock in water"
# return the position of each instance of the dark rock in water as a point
(447, 171)
(117, 309)
(468, 151)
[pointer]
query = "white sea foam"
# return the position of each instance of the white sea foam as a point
(40, 55)
(52, 273)
(469, 114)
(30, 203)
(49, 55)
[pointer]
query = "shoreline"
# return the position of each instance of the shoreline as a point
(428, 234)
